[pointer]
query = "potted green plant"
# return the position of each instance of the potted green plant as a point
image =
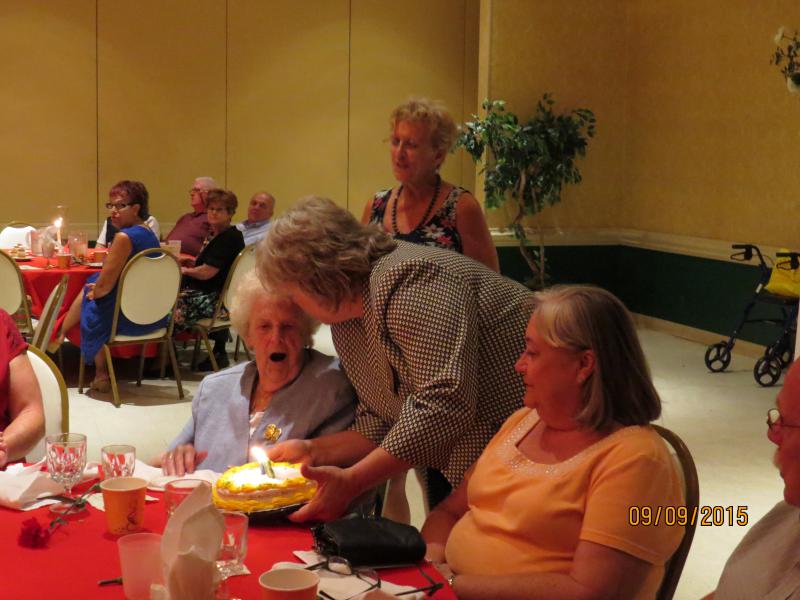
(786, 58)
(528, 163)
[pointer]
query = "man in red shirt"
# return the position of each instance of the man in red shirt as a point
(192, 228)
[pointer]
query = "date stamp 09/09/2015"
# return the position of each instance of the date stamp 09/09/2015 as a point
(704, 516)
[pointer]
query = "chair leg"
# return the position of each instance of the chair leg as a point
(175, 370)
(112, 376)
(236, 349)
(246, 351)
(162, 357)
(81, 369)
(141, 366)
(210, 351)
(195, 353)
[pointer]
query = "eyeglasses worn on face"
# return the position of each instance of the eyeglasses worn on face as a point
(117, 206)
(775, 421)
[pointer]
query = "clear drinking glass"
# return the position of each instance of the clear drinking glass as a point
(234, 543)
(66, 460)
(118, 460)
(178, 490)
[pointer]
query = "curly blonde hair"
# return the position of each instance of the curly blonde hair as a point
(322, 249)
(584, 317)
(442, 127)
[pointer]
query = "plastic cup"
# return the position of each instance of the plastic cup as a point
(123, 498)
(117, 460)
(140, 559)
(178, 490)
(174, 247)
(100, 255)
(288, 584)
(63, 260)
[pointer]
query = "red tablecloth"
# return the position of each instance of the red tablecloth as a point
(39, 282)
(83, 552)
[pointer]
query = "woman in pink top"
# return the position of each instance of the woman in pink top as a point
(544, 512)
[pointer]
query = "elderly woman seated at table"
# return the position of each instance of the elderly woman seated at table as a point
(290, 390)
(21, 413)
(94, 309)
(204, 276)
(545, 508)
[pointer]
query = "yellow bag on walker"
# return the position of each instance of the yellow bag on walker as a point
(784, 281)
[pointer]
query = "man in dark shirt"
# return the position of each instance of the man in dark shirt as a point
(192, 228)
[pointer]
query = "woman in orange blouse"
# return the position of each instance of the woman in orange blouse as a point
(544, 512)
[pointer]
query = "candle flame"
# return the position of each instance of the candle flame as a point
(258, 454)
(58, 222)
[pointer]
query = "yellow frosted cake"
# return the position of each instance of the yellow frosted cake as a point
(247, 489)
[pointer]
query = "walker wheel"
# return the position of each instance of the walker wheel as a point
(718, 357)
(783, 352)
(767, 371)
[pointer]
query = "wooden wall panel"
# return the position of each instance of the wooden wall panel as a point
(48, 109)
(287, 108)
(161, 97)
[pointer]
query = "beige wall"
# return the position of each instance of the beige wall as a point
(714, 138)
(575, 50)
(696, 132)
(48, 116)
(291, 97)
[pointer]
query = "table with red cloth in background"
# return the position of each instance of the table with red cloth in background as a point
(83, 552)
(40, 281)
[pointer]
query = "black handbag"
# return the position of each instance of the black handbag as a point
(369, 542)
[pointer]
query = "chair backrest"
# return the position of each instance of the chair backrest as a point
(148, 288)
(47, 320)
(55, 399)
(16, 233)
(245, 262)
(12, 286)
(674, 567)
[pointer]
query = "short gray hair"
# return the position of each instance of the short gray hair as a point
(583, 317)
(442, 127)
(247, 291)
(207, 183)
(322, 249)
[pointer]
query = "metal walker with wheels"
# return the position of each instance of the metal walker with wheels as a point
(777, 355)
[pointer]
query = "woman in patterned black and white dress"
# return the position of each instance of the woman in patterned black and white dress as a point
(424, 209)
(427, 337)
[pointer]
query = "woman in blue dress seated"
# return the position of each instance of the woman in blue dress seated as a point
(94, 310)
(289, 391)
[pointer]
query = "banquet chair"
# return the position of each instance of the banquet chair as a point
(55, 399)
(219, 320)
(13, 299)
(15, 233)
(146, 293)
(674, 566)
(43, 328)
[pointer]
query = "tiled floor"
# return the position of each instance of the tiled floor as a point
(721, 417)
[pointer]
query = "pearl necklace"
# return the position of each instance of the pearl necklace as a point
(436, 190)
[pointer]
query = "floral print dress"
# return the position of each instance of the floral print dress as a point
(440, 230)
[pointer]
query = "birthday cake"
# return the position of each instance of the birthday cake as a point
(249, 489)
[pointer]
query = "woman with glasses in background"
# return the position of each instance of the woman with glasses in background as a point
(94, 309)
(204, 276)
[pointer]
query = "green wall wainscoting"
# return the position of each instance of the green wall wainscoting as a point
(699, 292)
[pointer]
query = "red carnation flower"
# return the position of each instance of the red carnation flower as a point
(33, 535)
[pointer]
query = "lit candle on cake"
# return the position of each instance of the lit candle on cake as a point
(262, 459)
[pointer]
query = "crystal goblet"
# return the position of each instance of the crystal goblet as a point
(66, 460)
